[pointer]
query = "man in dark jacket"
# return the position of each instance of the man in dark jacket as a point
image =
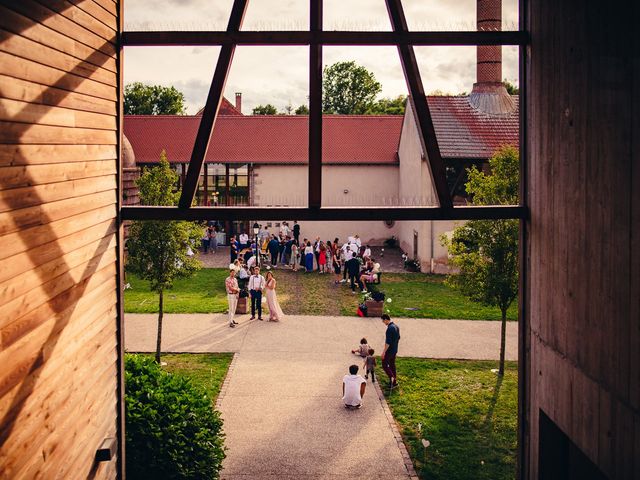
(274, 248)
(388, 356)
(296, 232)
(352, 267)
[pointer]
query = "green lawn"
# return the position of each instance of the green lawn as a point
(413, 295)
(205, 370)
(466, 412)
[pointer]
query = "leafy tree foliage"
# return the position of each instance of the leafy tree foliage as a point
(348, 89)
(486, 251)
(158, 250)
(511, 88)
(388, 106)
(141, 99)
(302, 110)
(171, 428)
(267, 109)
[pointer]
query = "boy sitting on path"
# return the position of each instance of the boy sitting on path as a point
(353, 387)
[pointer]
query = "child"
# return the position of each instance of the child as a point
(363, 349)
(369, 366)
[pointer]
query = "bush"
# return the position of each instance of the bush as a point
(172, 431)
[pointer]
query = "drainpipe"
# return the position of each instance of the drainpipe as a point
(432, 249)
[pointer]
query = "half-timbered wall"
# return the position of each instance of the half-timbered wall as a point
(583, 286)
(58, 237)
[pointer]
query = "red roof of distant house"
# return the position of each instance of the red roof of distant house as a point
(278, 139)
(466, 133)
(226, 108)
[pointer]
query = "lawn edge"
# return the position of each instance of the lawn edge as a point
(227, 379)
(408, 462)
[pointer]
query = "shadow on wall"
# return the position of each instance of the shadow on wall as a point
(25, 376)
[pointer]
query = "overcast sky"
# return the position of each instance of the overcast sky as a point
(279, 75)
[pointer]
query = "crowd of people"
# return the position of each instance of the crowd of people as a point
(351, 259)
(351, 262)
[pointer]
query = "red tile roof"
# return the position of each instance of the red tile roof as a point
(465, 133)
(226, 108)
(462, 132)
(266, 139)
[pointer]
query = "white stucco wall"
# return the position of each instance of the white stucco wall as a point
(415, 182)
(366, 185)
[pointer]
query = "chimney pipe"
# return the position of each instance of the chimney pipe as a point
(239, 101)
(489, 65)
(489, 94)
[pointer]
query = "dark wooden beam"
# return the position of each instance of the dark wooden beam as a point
(324, 214)
(211, 107)
(315, 109)
(421, 108)
(204, 38)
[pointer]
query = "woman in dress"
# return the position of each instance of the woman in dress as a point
(322, 257)
(275, 312)
(308, 257)
(329, 264)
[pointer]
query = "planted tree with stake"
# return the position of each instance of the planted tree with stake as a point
(486, 251)
(157, 250)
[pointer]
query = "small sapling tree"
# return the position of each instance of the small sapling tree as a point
(486, 251)
(161, 251)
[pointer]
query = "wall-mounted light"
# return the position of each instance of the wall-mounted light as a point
(345, 191)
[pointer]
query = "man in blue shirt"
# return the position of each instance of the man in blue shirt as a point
(390, 351)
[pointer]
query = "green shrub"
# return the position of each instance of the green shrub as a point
(172, 430)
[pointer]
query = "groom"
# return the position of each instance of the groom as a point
(256, 286)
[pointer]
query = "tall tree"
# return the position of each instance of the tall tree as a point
(302, 110)
(158, 251)
(486, 251)
(141, 99)
(388, 106)
(267, 109)
(348, 89)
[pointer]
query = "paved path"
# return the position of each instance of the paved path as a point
(468, 339)
(281, 400)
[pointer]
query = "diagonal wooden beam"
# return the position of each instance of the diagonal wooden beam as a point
(210, 112)
(419, 102)
(315, 108)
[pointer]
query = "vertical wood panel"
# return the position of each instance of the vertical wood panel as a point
(583, 184)
(58, 166)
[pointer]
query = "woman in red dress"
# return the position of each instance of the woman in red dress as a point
(322, 258)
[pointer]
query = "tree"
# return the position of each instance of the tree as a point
(486, 251)
(512, 89)
(388, 106)
(158, 250)
(141, 99)
(348, 89)
(267, 109)
(302, 110)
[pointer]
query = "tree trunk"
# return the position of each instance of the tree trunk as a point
(160, 313)
(503, 336)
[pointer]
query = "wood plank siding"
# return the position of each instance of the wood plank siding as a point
(59, 262)
(583, 181)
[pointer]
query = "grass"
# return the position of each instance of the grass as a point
(467, 413)
(416, 295)
(205, 370)
(413, 295)
(202, 293)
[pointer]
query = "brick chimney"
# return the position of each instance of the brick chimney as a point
(489, 94)
(239, 101)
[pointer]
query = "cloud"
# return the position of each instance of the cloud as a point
(278, 75)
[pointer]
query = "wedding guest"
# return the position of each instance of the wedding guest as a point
(231, 285)
(275, 312)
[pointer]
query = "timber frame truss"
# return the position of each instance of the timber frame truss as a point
(315, 39)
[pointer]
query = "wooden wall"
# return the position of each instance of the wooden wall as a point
(583, 286)
(59, 380)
